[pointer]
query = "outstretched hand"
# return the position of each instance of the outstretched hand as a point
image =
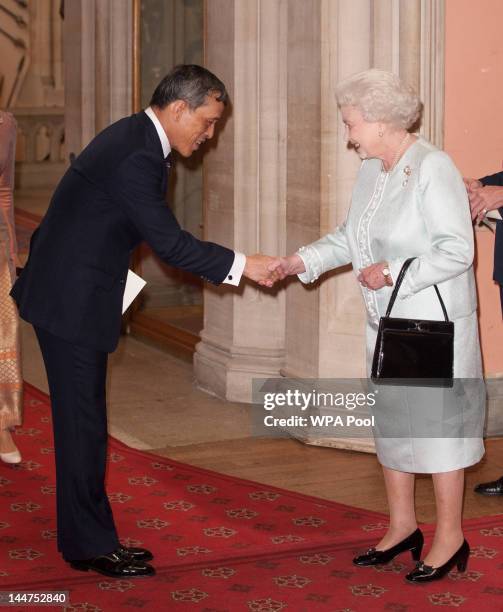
(257, 269)
(266, 270)
(286, 266)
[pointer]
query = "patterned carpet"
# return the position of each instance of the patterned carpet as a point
(221, 543)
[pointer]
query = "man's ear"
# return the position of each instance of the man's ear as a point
(177, 108)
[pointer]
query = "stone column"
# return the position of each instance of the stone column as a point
(408, 38)
(243, 334)
(348, 50)
(385, 48)
(325, 322)
(303, 180)
(432, 69)
(410, 41)
(97, 38)
(307, 184)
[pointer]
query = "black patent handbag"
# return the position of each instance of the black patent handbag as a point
(413, 352)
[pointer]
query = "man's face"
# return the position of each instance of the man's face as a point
(192, 127)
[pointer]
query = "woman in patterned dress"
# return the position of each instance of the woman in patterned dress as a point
(11, 400)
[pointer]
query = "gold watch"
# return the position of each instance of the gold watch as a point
(387, 276)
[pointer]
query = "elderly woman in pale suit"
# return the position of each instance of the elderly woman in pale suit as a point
(408, 201)
(11, 384)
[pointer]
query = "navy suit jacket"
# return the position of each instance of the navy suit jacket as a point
(497, 179)
(108, 201)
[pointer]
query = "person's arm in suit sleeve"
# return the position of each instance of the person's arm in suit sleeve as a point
(446, 214)
(137, 187)
(496, 180)
(493, 179)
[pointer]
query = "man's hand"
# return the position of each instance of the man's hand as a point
(471, 184)
(257, 269)
(483, 199)
(372, 276)
(286, 266)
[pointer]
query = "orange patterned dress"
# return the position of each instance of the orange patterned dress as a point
(11, 382)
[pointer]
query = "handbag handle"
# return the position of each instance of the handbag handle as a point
(399, 280)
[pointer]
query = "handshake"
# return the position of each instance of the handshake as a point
(266, 270)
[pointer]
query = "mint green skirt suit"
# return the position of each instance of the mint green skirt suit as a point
(419, 209)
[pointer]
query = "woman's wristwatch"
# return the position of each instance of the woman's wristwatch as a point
(387, 276)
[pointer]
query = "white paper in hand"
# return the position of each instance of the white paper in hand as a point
(494, 214)
(134, 284)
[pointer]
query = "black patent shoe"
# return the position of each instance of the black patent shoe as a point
(135, 554)
(114, 565)
(494, 487)
(414, 543)
(427, 573)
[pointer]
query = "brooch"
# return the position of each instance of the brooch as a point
(407, 171)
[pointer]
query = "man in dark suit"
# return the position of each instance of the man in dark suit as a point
(71, 290)
(486, 194)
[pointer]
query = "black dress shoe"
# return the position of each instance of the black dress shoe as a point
(495, 487)
(427, 573)
(115, 565)
(136, 554)
(414, 543)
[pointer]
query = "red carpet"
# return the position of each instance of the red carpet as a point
(220, 543)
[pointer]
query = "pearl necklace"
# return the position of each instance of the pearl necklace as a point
(398, 153)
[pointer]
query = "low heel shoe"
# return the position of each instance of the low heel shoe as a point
(114, 565)
(414, 543)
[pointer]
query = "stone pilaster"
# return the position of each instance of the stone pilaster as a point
(282, 175)
(243, 334)
(97, 37)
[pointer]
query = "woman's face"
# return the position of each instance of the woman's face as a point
(362, 135)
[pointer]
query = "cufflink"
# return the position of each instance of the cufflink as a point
(229, 277)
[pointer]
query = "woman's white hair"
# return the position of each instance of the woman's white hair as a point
(380, 96)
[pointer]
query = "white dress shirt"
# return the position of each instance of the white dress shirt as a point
(236, 272)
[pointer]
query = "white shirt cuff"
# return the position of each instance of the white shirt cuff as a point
(236, 272)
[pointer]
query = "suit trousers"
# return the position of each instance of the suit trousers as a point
(77, 384)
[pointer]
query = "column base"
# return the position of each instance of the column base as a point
(227, 372)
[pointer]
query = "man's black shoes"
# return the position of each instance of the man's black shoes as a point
(120, 563)
(136, 554)
(494, 487)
